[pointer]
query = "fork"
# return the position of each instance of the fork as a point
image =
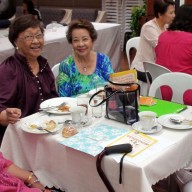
(43, 129)
(52, 107)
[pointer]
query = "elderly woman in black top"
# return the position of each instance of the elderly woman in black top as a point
(26, 78)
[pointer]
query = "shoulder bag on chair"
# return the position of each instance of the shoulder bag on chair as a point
(121, 101)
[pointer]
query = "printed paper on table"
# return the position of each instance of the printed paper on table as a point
(92, 140)
(139, 142)
(129, 76)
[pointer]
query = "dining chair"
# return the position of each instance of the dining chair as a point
(131, 43)
(55, 70)
(51, 56)
(187, 187)
(155, 70)
(178, 82)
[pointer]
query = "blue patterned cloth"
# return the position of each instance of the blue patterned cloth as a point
(91, 140)
(71, 83)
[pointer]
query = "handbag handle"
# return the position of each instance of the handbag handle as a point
(122, 84)
(117, 91)
(104, 100)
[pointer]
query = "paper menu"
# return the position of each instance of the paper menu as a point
(93, 140)
(128, 76)
(139, 142)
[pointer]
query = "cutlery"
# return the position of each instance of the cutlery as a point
(180, 121)
(43, 129)
(52, 107)
(154, 127)
(70, 122)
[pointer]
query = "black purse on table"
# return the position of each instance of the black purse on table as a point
(122, 103)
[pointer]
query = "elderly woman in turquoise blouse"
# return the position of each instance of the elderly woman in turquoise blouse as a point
(84, 69)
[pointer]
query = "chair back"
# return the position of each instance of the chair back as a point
(131, 43)
(179, 83)
(55, 70)
(155, 70)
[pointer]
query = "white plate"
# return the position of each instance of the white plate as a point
(57, 101)
(26, 126)
(138, 127)
(164, 120)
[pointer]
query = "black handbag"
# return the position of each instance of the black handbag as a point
(122, 103)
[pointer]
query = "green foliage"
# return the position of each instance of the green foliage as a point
(136, 13)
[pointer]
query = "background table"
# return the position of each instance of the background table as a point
(75, 171)
(57, 48)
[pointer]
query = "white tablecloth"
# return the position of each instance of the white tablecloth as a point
(57, 48)
(75, 171)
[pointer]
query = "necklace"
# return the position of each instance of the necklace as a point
(83, 67)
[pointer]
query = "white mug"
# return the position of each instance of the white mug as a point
(147, 119)
(77, 113)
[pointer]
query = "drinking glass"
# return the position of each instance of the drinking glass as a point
(97, 111)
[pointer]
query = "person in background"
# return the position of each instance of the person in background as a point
(164, 11)
(26, 78)
(174, 49)
(84, 68)
(29, 8)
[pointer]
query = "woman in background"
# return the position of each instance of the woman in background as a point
(84, 68)
(164, 11)
(29, 8)
(174, 49)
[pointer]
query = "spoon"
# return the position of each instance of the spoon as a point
(180, 121)
(176, 121)
(155, 127)
(70, 122)
(43, 129)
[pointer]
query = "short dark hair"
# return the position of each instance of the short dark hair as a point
(160, 6)
(81, 24)
(183, 19)
(30, 6)
(20, 24)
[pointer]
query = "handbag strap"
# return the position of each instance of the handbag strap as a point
(104, 100)
(123, 84)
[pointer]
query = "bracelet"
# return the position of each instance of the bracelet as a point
(29, 177)
(29, 185)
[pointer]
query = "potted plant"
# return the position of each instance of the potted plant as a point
(137, 13)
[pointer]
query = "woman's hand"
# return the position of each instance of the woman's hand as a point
(13, 115)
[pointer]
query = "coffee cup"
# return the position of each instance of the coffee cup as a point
(147, 120)
(77, 113)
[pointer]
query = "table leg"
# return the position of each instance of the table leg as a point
(172, 184)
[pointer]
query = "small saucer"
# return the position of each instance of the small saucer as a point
(87, 122)
(138, 127)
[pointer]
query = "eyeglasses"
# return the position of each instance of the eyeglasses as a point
(31, 37)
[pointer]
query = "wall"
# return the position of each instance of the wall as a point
(68, 3)
(189, 2)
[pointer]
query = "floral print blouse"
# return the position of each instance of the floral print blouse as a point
(71, 83)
